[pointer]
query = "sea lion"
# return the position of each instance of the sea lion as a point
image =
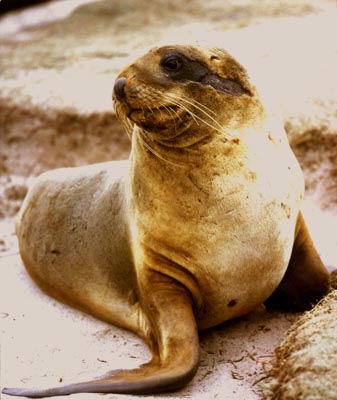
(200, 225)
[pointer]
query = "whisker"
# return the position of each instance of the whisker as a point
(197, 106)
(194, 102)
(126, 124)
(172, 112)
(195, 116)
(197, 103)
(177, 104)
(167, 103)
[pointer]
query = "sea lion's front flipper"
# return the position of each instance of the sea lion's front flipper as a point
(174, 343)
(306, 280)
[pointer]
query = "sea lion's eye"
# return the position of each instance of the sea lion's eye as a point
(172, 63)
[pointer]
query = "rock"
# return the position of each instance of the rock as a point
(305, 365)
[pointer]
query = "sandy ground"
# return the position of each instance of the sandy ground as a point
(44, 343)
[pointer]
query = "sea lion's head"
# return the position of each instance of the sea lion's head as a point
(175, 90)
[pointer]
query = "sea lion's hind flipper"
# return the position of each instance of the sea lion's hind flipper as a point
(173, 339)
(306, 280)
(144, 380)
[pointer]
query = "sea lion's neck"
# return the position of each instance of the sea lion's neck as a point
(204, 149)
(183, 153)
(177, 175)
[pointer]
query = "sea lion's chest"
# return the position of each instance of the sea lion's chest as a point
(232, 229)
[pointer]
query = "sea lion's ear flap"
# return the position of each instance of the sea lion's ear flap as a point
(228, 75)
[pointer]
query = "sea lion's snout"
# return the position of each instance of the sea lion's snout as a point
(119, 87)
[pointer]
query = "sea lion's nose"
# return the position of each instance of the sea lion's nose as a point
(119, 87)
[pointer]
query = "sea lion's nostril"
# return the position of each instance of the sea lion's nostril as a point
(119, 87)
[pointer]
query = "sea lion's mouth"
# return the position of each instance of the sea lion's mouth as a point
(160, 119)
